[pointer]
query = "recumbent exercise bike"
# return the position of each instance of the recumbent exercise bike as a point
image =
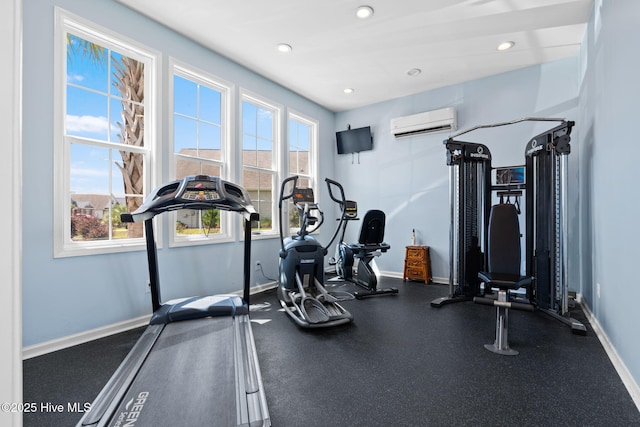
(370, 245)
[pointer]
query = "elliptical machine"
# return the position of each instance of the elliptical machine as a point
(300, 290)
(370, 244)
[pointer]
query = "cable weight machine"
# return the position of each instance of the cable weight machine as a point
(469, 197)
(546, 224)
(545, 188)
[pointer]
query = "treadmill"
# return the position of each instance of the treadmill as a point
(196, 363)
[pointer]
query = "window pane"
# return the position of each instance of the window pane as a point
(264, 158)
(90, 167)
(90, 193)
(299, 135)
(259, 186)
(265, 144)
(259, 158)
(249, 152)
(117, 177)
(299, 147)
(116, 119)
(186, 167)
(127, 122)
(265, 124)
(104, 102)
(185, 95)
(131, 172)
(88, 226)
(211, 170)
(249, 119)
(86, 114)
(86, 64)
(299, 162)
(127, 97)
(294, 213)
(191, 222)
(209, 139)
(210, 105)
(194, 222)
(185, 136)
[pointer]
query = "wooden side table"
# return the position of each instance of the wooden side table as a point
(417, 264)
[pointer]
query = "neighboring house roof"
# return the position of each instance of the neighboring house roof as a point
(298, 163)
(95, 201)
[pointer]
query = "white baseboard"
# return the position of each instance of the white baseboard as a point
(82, 337)
(626, 377)
(400, 275)
(393, 274)
(105, 331)
(259, 288)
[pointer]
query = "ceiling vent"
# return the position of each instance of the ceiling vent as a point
(443, 120)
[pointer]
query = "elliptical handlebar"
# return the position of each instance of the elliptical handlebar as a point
(303, 199)
(282, 187)
(342, 202)
(306, 218)
(281, 198)
(330, 182)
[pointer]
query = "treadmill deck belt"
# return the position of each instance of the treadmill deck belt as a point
(197, 381)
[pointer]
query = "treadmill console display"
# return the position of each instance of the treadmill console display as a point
(201, 190)
(303, 195)
(194, 192)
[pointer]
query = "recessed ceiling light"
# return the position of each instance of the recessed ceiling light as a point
(414, 72)
(349, 90)
(364, 12)
(284, 48)
(506, 45)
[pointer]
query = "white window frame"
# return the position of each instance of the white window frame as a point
(313, 156)
(227, 220)
(277, 165)
(67, 22)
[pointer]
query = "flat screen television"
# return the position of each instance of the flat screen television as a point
(354, 140)
(509, 175)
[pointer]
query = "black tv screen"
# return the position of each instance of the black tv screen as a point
(354, 140)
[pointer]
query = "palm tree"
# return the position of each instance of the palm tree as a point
(129, 81)
(129, 75)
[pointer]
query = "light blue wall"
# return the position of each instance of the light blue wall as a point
(70, 295)
(599, 89)
(609, 112)
(409, 179)
(406, 178)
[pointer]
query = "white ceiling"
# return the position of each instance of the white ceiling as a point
(451, 41)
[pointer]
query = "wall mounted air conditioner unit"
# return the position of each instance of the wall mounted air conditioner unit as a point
(443, 120)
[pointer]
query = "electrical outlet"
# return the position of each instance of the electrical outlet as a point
(258, 264)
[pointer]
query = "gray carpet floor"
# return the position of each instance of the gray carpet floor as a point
(400, 363)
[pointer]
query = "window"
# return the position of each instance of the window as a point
(104, 138)
(201, 105)
(260, 158)
(302, 159)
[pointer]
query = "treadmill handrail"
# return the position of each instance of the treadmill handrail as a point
(169, 197)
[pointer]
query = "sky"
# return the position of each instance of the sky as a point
(93, 108)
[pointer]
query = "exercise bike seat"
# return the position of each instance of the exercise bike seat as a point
(504, 280)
